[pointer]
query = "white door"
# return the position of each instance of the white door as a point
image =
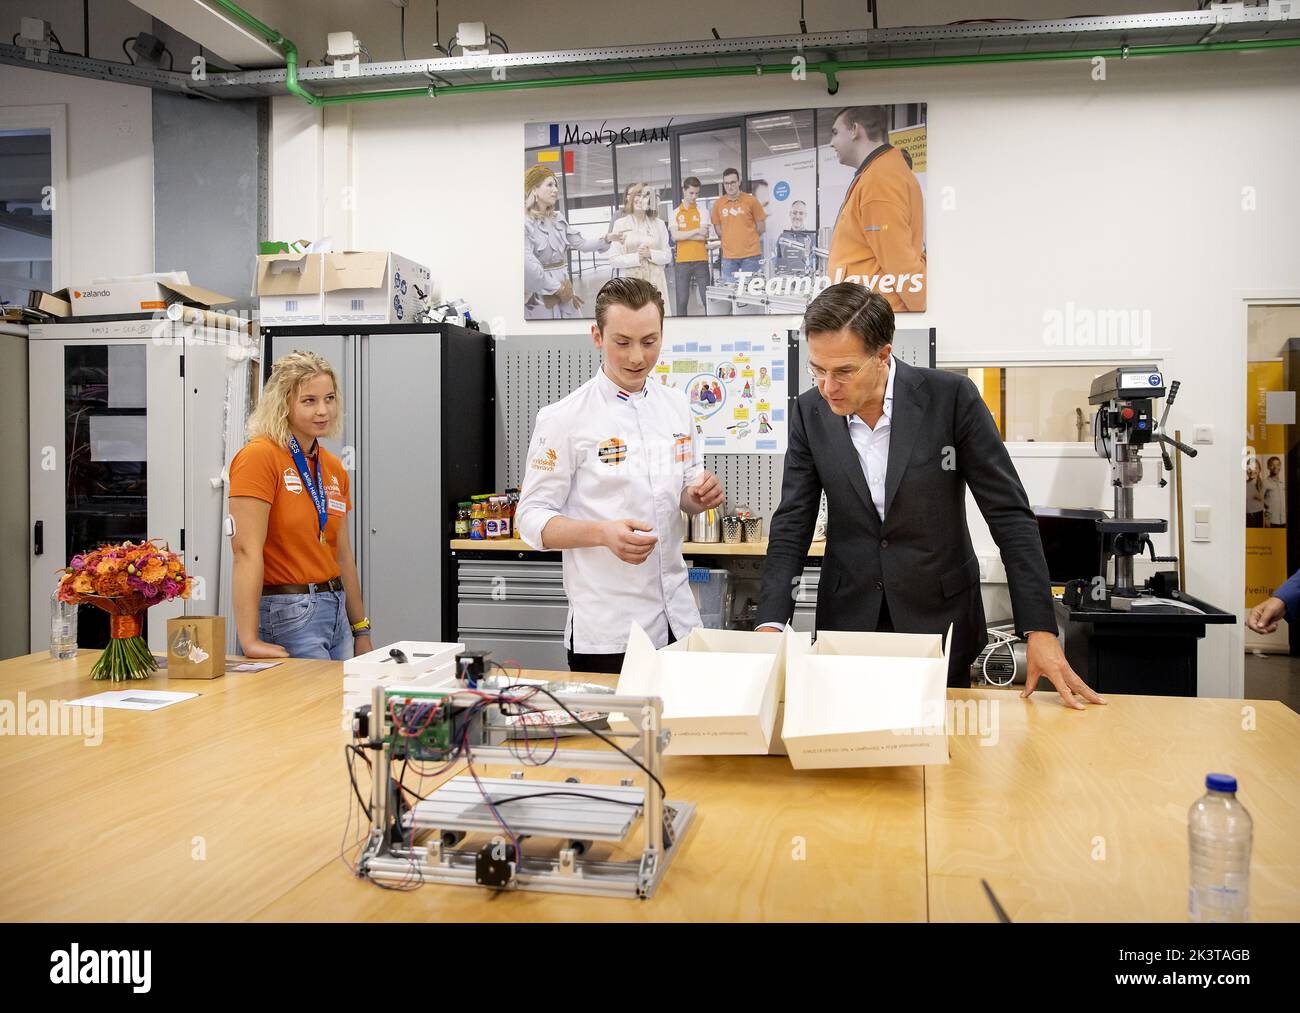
(107, 463)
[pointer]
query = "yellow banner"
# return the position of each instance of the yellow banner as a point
(1265, 490)
(911, 140)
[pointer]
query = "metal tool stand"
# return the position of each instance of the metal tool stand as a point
(1120, 641)
(457, 808)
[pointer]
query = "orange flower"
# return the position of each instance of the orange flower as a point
(153, 572)
(82, 584)
(114, 584)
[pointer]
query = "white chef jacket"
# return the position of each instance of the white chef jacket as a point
(602, 454)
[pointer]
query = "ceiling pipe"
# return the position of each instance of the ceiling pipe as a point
(830, 68)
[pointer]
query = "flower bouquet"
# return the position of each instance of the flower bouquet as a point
(124, 580)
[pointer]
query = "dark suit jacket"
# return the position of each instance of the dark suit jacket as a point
(942, 439)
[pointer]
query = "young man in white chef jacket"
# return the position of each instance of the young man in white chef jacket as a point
(609, 471)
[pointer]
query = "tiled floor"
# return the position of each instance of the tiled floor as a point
(1273, 677)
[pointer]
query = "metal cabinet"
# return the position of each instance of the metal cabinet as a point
(516, 608)
(417, 438)
(126, 438)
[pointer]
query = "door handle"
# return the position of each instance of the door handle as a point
(38, 537)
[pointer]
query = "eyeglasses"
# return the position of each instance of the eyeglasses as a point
(841, 375)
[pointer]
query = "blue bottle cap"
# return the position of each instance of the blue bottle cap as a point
(1221, 782)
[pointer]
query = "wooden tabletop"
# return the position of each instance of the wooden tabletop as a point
(817, 549)
(232, 806)
(250, 776)
(1082, 815)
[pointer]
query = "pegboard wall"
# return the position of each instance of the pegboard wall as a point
(533, 371)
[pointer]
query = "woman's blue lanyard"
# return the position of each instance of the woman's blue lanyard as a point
(314, 486)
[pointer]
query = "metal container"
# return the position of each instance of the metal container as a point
(752, 529)
(731, 530)
(706, 527)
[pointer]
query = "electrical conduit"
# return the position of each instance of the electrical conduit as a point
(829, 68)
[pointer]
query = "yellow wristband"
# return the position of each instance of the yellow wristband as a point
(363, 624)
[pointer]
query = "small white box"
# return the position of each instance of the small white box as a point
(719, 689)
(288, 288)
(421, 657)
(866, 699)
(364, 683)
(373, 288)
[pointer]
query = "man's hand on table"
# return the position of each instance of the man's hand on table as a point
(1044, 657)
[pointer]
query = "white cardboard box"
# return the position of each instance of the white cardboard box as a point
(719, 689)
(289, 289)
(373, 288)
(353, 684)
(421, 656)
(141, 293)
(865, 699)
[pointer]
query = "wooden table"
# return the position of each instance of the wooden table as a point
(252, 772)
(232, 806)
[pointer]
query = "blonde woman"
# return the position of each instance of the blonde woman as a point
(548, 238)
(296, 590)
(643, 250)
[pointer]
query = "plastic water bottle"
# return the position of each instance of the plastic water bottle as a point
(63, 629)
(1218, 837)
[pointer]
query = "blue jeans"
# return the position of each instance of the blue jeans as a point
(731, 267)
(307, 625)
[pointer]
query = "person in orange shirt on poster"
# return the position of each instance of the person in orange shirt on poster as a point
(691, 237)
(740, 221)
(295, 586)
(879, 234)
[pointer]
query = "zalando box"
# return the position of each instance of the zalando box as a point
(288, 288)
(141, 293)
(719, 689)
(373, 288)
(866, 699)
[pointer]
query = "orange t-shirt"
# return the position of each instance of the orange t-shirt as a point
(736, 221)
(690, 251)
(293, 552)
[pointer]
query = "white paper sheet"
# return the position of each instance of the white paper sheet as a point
(132, 699)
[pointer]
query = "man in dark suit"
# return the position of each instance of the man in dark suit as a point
(895, 448)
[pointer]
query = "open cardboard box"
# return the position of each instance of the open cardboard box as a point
(288, 288)
(865, 699)
(373, 288)
(719, 689)
(140, 293)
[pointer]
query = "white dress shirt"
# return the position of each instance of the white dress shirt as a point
(603, 454)
(872, 446)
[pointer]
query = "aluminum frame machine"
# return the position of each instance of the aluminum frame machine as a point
(470, 830)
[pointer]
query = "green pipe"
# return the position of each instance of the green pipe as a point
(829, 68)
(291, 74)
(277, 39)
